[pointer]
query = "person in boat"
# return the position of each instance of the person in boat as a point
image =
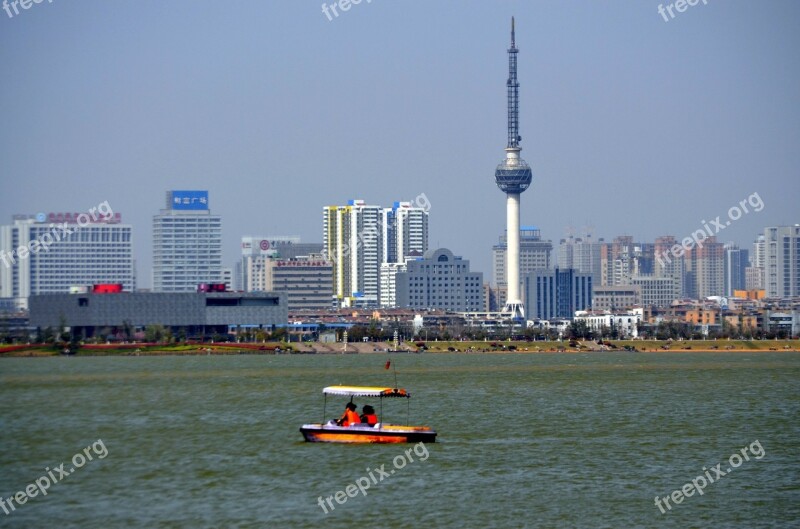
(368, 416)
(349, 417)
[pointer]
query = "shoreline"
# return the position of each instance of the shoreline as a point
(409, 347)
(238, 352)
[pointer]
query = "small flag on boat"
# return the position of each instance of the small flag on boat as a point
(388, 363)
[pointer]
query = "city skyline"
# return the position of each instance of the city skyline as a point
(644, 140)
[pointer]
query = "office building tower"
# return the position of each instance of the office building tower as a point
(736, 261)
(556, 293)
(187, 243)
(52, 252)
(440, 280)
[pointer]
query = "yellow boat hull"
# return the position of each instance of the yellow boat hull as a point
(390, 433)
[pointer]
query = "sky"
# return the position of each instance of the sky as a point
(632, 124)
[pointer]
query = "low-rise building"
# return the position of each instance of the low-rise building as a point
(655, 291)
(307, 280)
(440, 280)
(625, 325)
(786, 323)
(613, 298)
(190, 313)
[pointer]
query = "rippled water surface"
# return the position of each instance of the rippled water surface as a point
(540, 440)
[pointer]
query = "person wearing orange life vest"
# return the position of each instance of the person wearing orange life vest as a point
(349, 417)
(369, 417)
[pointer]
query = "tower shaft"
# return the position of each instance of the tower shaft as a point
(512, 249)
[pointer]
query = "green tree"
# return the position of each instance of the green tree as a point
(155, 333)
(356, 333)
(279, 334)
(578, 329)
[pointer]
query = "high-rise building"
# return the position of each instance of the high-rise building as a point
(782, 261)
(754, 275)
(49, 253)
(534, 254)
(759, 257)
(736, 260)
(705, 269)
(440, 280)
(404, 230)
(668, 265)
(622, 259)
(754, 278)
(388, 289)
(353, 242)
(617, 261)
(187, 243)
(513, 176)
(556, 293)
(582, 254)
(644, 259)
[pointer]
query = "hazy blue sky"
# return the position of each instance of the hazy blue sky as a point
(631, 124)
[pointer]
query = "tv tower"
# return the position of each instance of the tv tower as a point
(513, 176)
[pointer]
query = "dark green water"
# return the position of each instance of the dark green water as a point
(524, 441)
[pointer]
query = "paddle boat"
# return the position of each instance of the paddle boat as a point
(330, 432)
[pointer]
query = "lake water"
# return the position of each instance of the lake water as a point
(545, 440)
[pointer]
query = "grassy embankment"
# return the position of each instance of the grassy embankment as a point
(147, 349)
(432, 347)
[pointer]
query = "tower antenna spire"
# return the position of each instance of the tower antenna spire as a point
(513, 92)
(513, 176)
(513, 44)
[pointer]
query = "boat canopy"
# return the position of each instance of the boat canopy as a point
(365, 391)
